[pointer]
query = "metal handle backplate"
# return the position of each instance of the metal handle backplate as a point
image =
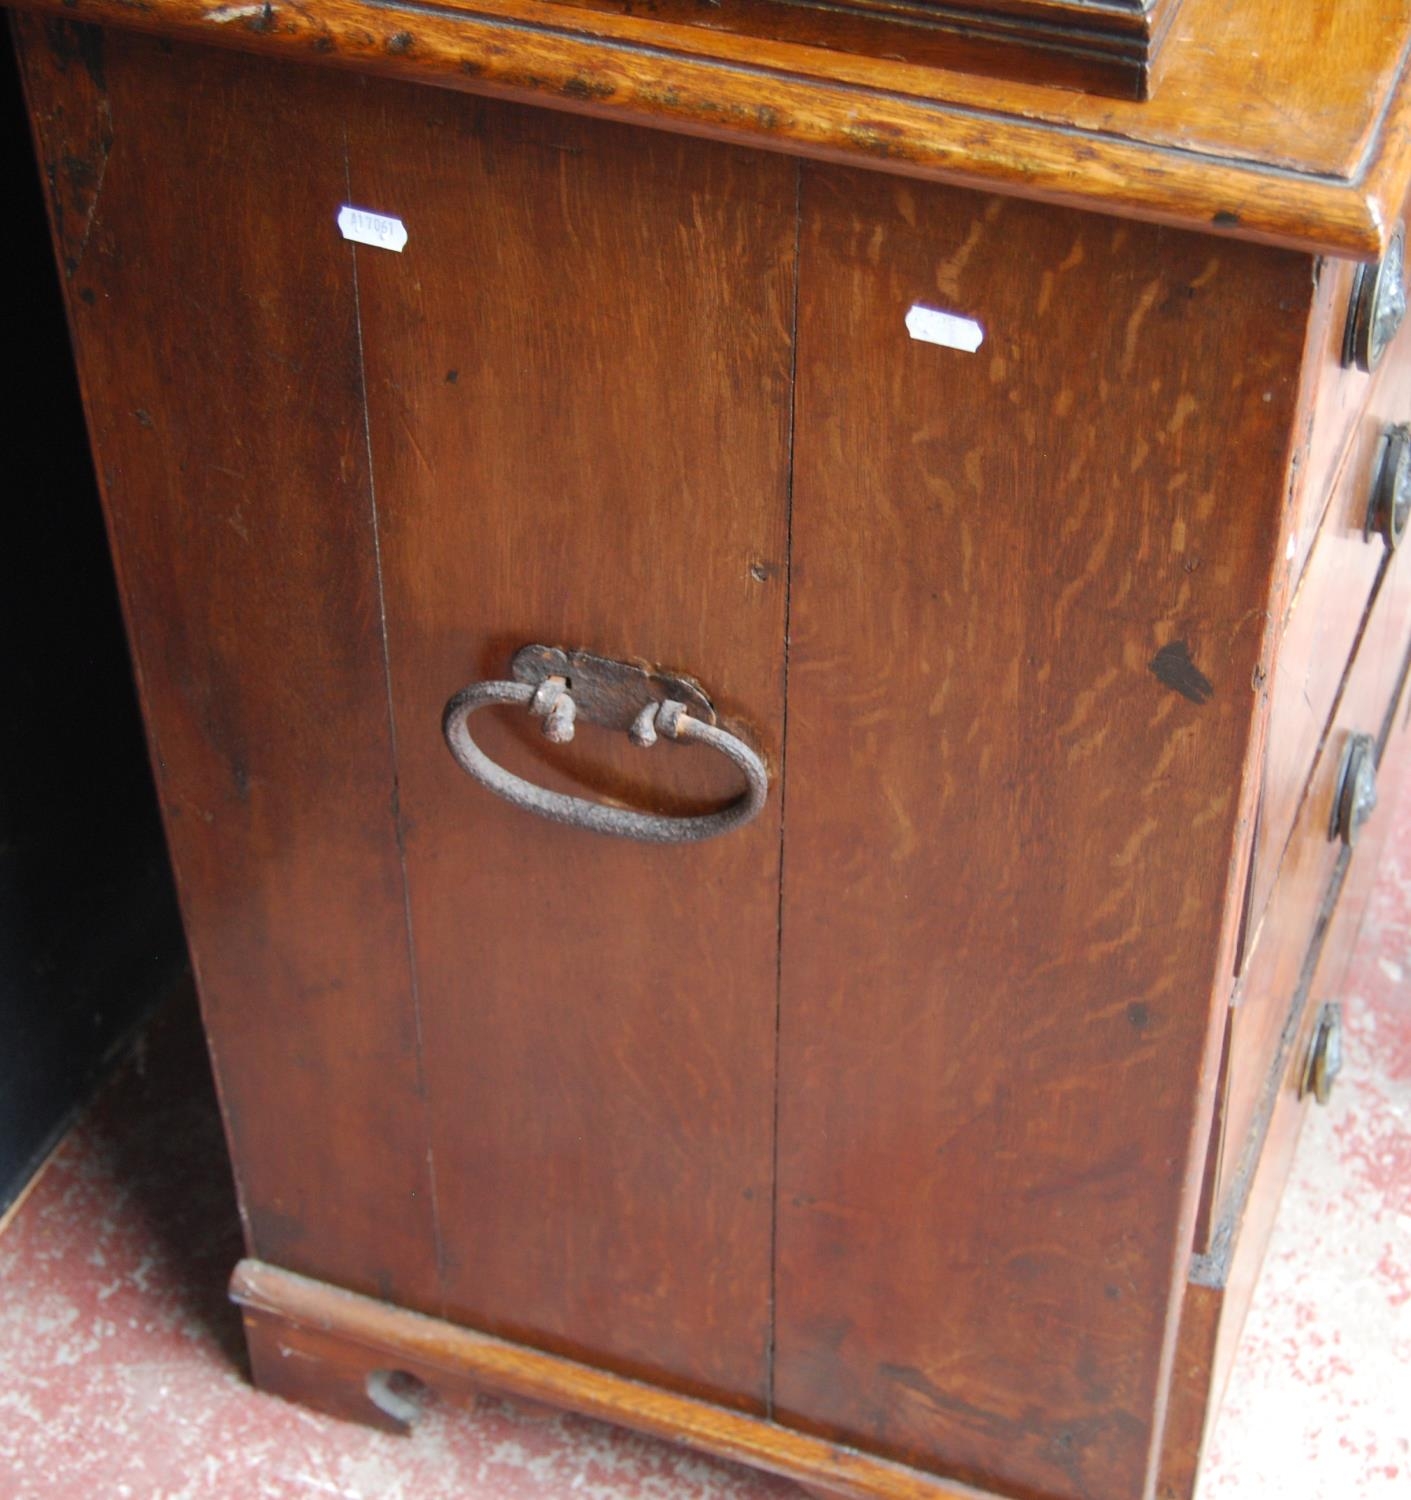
(560, 688)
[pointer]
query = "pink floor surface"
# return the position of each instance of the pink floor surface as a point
(124, 1375)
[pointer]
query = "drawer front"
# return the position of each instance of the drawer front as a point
(1333, 397)
(1338, 396)
(1286, 1097)
(1266, 990)
(1218, 1297)
(1343, 931)
(1325, 618)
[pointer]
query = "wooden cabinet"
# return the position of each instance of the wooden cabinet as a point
(1019, 519)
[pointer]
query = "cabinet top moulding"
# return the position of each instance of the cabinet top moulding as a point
(1288, 125)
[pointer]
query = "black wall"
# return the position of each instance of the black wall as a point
(89, 937)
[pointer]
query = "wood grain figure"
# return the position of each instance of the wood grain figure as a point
(990, 458)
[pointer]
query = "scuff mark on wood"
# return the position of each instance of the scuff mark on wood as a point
(223, 15)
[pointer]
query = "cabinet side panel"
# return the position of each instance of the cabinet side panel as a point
(1030, 593)
(578, 380)
(211, 301)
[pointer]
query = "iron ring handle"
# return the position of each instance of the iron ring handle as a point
(657, 718)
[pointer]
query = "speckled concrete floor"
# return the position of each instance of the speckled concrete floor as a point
(124, 1372)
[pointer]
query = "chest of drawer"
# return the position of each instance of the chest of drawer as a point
(783, 1016)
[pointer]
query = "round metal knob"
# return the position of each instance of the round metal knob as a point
(1357, 789)
(1324, 1061)
(1377, 308)
(1390, 503)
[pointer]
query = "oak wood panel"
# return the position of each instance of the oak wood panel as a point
(1002, 952)
(1267, 988)
(219, 356)
(336, 1338)
(1296, 134)
(578, 380)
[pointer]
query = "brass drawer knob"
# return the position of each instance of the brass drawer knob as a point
(1377, 308)
(1324, 1061)
(1357, 789)
(1390, 504)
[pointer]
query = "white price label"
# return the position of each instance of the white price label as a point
(932, 326)
(379, 230)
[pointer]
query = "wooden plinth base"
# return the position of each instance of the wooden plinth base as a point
(346, 1355)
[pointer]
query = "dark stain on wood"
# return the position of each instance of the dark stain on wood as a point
(908, 1378)
(75, 173)
(578, 87)
(1173, 666)
(82, 44)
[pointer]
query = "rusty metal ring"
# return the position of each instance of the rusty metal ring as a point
(670, 719)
